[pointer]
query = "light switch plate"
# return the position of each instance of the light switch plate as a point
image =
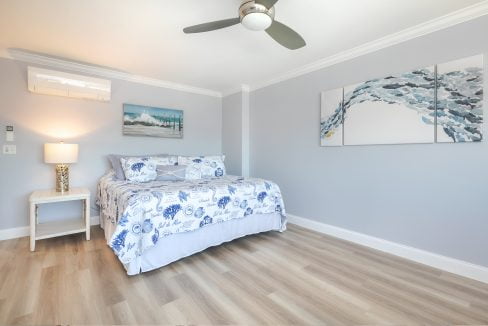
(9, 149)
(9, 133)
(9, 136)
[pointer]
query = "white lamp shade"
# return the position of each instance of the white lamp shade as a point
(60, 153)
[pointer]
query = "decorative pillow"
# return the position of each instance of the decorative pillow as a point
(165, 160)
(192, 172)
(171, 172)
(208, 166)
(139, 169)
(117, 166)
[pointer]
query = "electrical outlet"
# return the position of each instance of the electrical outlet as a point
(9, 149)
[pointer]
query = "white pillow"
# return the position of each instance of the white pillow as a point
(199, 167)
(166, 160)
(139, 169)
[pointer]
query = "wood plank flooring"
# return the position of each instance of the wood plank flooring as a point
(297, 277)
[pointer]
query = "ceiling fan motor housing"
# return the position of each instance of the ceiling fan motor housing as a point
(255, 16)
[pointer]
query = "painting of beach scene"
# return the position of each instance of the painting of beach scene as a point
(150, 121)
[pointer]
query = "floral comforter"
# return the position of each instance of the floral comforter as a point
(146, 212)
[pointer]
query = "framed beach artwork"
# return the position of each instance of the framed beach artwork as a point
(150, 121)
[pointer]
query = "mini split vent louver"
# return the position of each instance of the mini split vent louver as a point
(51, 82)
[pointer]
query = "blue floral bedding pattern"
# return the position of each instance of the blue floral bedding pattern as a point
(146, 212)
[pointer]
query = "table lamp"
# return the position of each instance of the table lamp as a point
(62, 155)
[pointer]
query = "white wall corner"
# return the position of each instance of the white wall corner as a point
(451, 265)
(245, 129)
(23, 231)
(245, 88)
(232, 91)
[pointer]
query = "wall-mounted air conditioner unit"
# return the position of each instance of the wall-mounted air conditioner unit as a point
(50, 82)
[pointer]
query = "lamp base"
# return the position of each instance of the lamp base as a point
(62, 177)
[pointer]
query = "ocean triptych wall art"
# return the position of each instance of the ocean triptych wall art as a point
(397, 109)
(331, 114)
(460, 100)
(440, 103)
(150, 121)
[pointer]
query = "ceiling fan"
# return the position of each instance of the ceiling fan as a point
(256, 15)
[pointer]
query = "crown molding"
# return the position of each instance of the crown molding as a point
(437, 24)
(233, 91)
(434, 25)
(34, 58)
(245, 88)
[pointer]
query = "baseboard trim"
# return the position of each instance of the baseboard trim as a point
(13, 233)
(23, 231)
(451, 265)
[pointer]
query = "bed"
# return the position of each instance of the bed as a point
(150, 225)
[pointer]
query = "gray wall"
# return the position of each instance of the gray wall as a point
(96, 127)
(232, 132)
(432, 197)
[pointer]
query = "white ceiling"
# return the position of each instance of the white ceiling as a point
(144, 37)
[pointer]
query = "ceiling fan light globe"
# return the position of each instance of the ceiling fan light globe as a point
(257, 21)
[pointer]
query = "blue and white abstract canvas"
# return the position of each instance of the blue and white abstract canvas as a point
(460, 100)
(150, 121)
(331, 122)
(398, 109)
(442, 103)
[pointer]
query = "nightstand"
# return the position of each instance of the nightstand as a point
(62, 227)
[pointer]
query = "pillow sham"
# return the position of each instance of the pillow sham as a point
(139, 169)
(117, 166)
(170, 172)
(203, 166)
(165, 160)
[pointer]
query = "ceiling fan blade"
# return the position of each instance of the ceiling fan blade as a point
(267, 3)
(285, 36)
(207, 27)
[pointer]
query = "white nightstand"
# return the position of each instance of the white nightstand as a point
(58, 228)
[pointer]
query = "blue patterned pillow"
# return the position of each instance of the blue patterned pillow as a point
(114, 160)
(203, 166)
(139, 169)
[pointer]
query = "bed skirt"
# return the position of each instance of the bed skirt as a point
(176, 246)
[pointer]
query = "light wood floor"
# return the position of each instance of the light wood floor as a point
(298, 277)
